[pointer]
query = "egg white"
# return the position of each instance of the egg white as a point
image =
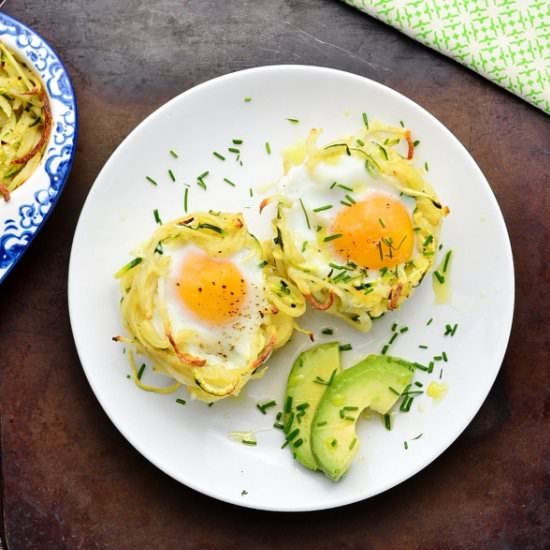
(304, 189)
(230, 343)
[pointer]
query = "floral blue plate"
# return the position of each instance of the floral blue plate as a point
(22, 217)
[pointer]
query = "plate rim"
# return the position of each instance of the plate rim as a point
(499, 356)
(54, 198)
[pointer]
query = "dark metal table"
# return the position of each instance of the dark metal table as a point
(70, 480)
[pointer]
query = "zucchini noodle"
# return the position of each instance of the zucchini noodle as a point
(171, 352)
(358, 299)
(25, 121)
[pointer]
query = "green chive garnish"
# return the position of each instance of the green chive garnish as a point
(322, 208)
(444, 355)
(351, 199)
(186, 199)
(345, 347)
(440, 278)
(416, 143)
(297, 443)
(251, 192)
(247, 99)
(262, 407)
(345, 187)
(234, 150)
(157, 217)
(426, 167)
(181, 401)
(172, 176)
(381, 222)
(288, 404)
(173, 153)
(385, 349)
(228, 181)
(365, 120)
(403, 329)
(333, 184)
(387, 421)
(324, 423)
(249, 442)
(446, 262)
(140, 371)
(214, 228)
(360, 142)
(327, 331)
(402, 124)
(218, 155)
(393, 390)
(305, 214)
(151, 180)
(351, 445)
(267, 148)
(293, 120)
(429, 322)
(422, 346)
(238, 141)
(406, 445)
(332, 237)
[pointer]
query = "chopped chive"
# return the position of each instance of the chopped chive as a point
(337, 266)
(381, 222)
(151, 180)
(321, 208)
(201, 184)
(228, 181)
(156, 216)
(345, 203)
(402, 124)
(288, 404)
(140, 371)
(247, 99)
(351, 199)
(293, 120)
(278, 425)
(234, 150)
(419, 384)
(251, 192)
(186, 199)
(250, 442)
(262, 264)
(324, 423)
(267, 148)
(333, 184)
(181, 401)
(334, 443)
(332, 237)
(394, 327)
(422, 346)
(352, 444)
(262, 407)
(426, 167)
(360, 142)
(385, 349)
(345, 347)
(218, 155)
(440, 374)
(420, 366)
(302, 406)
(428, 240)
(429, 322)
(293, 434)
(172, 176)
(159, 249)
(444, 355)
(430, 367)
(305, 213)
(387, 421)
(365, 120)
(438, 358)
(237, 141)
(297, 443)
(393, 390)
(440, 278)
(344, 187)
(417, 437)
(382, 149)
(403, 329)
(392, 339)
(211, 404)
(454, 329)
(446, 262)
(406, 404)
(203, 175)
(416, 143)
(406, 445)
(304, 246)
(327, 331)
(379, 246)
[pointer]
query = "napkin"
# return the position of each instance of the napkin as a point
(506, 41)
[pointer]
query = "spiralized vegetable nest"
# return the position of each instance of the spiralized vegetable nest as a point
(337, 285)
(190, 348)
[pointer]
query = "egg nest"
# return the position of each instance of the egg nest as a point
(151, 331)
(342, 287)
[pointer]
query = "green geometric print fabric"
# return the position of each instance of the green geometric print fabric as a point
(506, 41)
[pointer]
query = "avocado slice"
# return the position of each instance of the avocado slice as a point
(311, 374)
(376, 382)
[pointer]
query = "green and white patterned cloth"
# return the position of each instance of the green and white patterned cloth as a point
(507, 41)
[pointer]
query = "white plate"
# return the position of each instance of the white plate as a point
(25, 214)
(190, 443)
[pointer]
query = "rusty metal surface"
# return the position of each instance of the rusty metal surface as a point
(69, 479)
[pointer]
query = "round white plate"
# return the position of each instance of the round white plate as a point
(190, 442)
(30, 204)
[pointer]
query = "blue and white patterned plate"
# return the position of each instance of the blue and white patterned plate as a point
(29, 207)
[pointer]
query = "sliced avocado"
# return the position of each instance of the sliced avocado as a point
(375, 382)
(311, 374)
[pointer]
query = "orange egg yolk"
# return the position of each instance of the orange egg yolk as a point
(376, 233)
(213, 289)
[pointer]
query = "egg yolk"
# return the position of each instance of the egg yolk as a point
(213, 289)
(376, 233)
